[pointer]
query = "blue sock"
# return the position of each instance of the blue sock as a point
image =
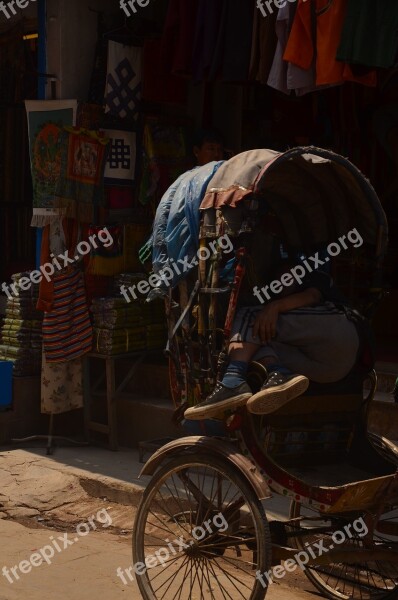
(278, 369)
(235, 374)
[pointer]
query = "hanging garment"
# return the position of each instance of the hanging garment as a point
(158, 85)
(236, 41)
(62, 382)
(67, 331)
(264, 41)
(61, 386)
(178, 37)
(123, 82)
(370, 33)
(285, 76)
(57, 237)
(209, 32)
(328, 15)
(80, 189)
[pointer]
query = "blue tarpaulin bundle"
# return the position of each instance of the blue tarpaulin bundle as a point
(175, 234)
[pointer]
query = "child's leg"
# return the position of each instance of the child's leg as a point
(233, 391)
(240, 354)
(242, 347)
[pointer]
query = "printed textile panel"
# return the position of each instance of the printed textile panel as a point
(46, 120)
(120, 166)
(123, 82)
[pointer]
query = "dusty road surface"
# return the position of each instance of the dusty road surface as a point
(57, 541)
(86, 570)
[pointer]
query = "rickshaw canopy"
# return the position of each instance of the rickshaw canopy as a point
(316, 195)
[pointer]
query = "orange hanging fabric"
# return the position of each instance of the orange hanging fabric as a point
(302, 48)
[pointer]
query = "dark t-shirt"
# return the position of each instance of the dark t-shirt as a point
(319, 280)
(324, 283)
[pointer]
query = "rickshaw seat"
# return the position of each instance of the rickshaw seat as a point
(340, 397)
(323, 439)
(350, 384)
(322, 405)
(312, 430)
(319, 426)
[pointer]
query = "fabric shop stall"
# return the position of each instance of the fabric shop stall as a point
(114, 133)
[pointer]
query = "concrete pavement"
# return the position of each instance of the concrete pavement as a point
(43, 498)
(101, 473)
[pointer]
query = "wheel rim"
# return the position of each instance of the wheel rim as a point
(371, 580)
(215, 517)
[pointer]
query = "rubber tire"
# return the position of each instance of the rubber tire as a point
(264, 558)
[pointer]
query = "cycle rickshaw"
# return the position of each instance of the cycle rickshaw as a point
(201, 530)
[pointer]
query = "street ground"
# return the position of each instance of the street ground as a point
(79, 505)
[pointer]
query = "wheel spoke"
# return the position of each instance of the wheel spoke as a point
(171, 577)
(215, 576)
(162, 523)
(231, 578)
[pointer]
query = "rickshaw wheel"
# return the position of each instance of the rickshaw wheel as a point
(209, 530)
(374, 580)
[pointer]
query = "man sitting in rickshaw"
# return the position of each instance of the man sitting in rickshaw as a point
(301, 334)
